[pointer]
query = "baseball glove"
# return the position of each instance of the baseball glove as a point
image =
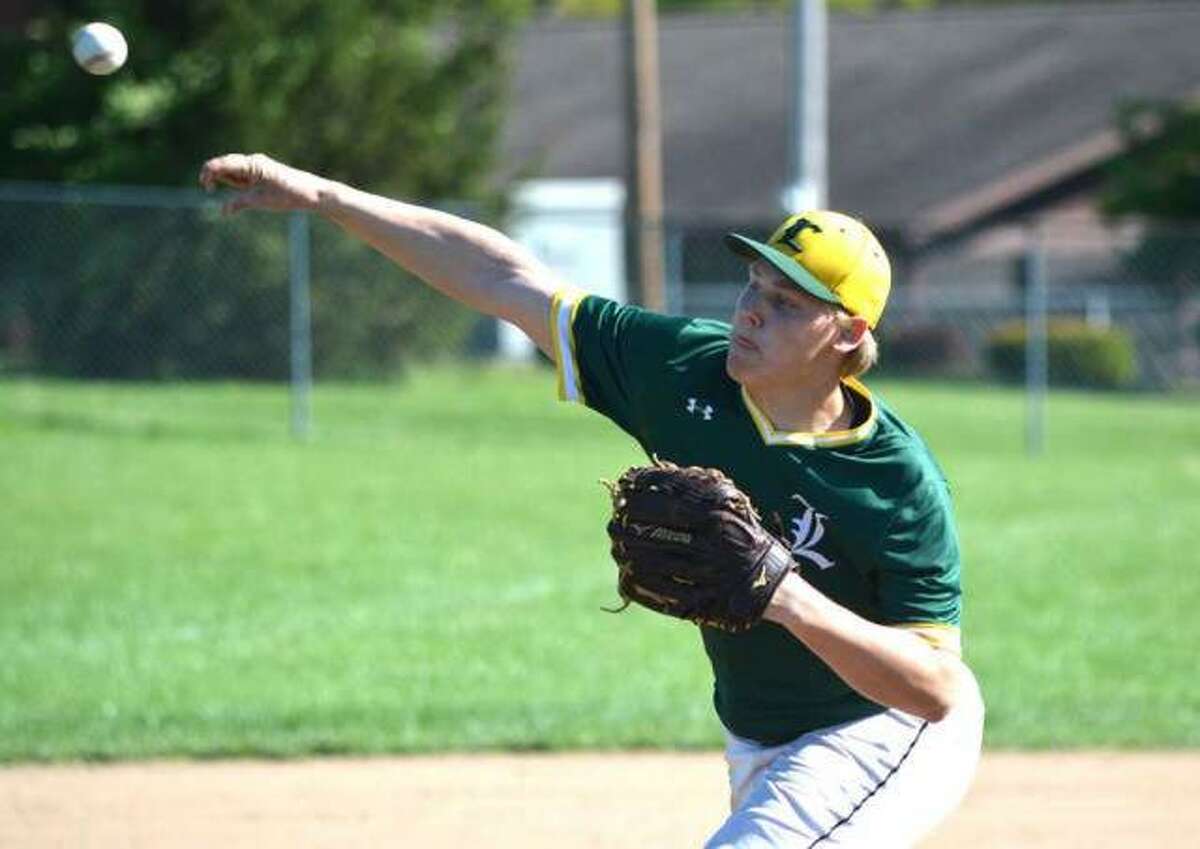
(688, 543)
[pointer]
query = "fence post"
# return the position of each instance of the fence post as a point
(673, 278)
(1033, 277)
(300, 324)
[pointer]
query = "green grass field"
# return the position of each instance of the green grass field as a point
(179, 577)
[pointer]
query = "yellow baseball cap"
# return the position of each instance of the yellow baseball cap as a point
(829, 255)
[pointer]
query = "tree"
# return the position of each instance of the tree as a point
(402, 95)
(1158, 176)
(1157, 179)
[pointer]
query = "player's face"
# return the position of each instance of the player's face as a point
(780, 333)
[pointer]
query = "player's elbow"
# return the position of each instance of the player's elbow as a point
(935, 707)
(949, 685)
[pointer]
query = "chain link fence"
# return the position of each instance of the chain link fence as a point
(155, 285)
(135, 284)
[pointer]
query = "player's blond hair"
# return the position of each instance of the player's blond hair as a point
(862, 358)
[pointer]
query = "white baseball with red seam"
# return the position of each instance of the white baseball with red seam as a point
(99, 48)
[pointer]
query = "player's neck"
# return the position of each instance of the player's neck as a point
(803, 409)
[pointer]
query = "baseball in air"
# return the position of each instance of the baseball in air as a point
(99, 48)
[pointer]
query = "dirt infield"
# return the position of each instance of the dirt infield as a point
(1031, 801)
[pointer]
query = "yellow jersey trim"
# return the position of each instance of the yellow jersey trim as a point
(563, 307)
(937, 634)
(828, 439)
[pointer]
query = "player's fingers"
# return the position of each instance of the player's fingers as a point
(232, 169)
(210, 172)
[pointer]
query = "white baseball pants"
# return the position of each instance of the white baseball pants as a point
(876, 783)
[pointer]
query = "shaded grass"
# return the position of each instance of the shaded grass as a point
(427, 572)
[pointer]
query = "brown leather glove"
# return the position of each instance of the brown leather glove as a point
(688, 543)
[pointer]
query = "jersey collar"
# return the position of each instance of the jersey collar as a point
(827, 439)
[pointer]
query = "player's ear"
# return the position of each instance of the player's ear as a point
(852, 329)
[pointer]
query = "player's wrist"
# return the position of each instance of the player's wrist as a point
(787, 603)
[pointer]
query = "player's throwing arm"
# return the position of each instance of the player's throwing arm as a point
(474, 264)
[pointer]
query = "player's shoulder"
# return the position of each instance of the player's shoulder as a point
(625, 361)
(902, 460)
(594, 314)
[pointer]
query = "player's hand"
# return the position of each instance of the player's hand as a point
(262, 183)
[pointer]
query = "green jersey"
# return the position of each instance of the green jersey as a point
(866, 512)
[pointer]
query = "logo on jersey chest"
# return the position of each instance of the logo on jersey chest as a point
(803, 534)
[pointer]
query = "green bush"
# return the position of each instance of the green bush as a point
(1077, 354)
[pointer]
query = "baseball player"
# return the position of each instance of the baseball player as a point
(850, 718)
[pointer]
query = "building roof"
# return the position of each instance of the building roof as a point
(935, 117)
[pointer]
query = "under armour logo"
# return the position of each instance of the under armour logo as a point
(705, 410)
(795, 229)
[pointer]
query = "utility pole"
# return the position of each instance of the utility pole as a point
(810, 107)
(643, 185)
